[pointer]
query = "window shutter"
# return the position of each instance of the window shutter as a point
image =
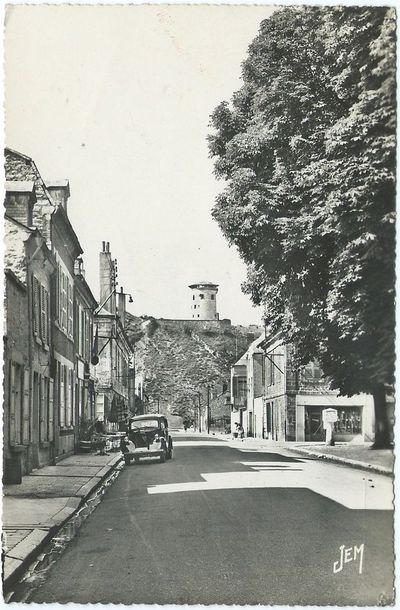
(26, 409)
(67, 286)
(59, 296)
(67, 398)
(51, 410)
(64, 302)
(12, 404)
(87, 338)
(35, 305)
(81, 327)
(47, 318)
(43, 317)
(70, 308)
(42, 412)
(62, 396)
(71, 398)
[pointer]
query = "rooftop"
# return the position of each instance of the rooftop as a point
(204, 284)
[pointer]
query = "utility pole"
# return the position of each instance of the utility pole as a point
(199, 412)
(208, 410)
(158, 405)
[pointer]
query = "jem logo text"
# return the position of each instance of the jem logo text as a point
(347, 555)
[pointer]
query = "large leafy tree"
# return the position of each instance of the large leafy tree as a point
(307, 152)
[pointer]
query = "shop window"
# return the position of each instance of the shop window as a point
(349, 421)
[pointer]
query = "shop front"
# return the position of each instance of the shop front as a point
(348, 426)
(355, 417)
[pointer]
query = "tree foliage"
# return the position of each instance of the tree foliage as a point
(180, 359)
(307, 152)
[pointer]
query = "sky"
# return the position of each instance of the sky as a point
(118, 100)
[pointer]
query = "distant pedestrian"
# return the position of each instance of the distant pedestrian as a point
(235, 431)
(240, 431)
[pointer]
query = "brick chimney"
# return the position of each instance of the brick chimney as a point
(59, 192)
(108, 279)
(122, 306)
(19, 201)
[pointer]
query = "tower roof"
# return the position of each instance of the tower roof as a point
(204, 285)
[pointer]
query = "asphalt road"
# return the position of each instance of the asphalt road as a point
(222, 543)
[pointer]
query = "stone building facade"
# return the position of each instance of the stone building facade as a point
(28, 387)
(284, 403)
(85, 306)
(47, 376)
(115, 396)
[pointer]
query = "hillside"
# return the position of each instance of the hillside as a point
(179, 358)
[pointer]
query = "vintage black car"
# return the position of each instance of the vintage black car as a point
(150, 437)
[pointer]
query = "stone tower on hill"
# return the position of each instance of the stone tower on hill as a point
(204, 301)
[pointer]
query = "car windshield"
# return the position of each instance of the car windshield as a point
(145, 423)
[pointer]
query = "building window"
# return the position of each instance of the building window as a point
(40, 311)
(201, 296)
(46, 412)
(44, 315)
(213, 297)
(65, 302)
(15, 401)
(193, 297)
(270, 369)
(239, 386)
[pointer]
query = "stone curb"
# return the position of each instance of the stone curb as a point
(30, 547)
(345, 461)
(326, 456)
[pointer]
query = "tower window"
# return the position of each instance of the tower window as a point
(193, 297)
(213, 297)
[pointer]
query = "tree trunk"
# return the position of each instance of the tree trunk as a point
(382, 426)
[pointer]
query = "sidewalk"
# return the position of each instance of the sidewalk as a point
(354, 455)
(37, 508)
